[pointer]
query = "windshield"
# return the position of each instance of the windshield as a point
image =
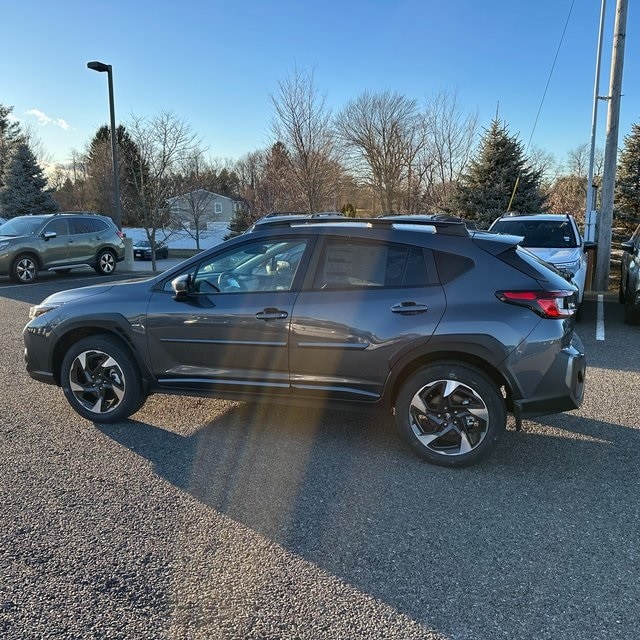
(539, 234)
(22, 226)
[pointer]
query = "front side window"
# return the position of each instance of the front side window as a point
(58, 226)
(269, 265)
(351, 264)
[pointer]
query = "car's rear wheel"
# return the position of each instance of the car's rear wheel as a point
(450, 414)
(105, 262)
(101, 380)
(24, 269)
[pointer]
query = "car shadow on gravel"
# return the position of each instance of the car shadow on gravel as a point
(341, 491)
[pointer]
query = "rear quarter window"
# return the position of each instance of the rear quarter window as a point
(451, 266)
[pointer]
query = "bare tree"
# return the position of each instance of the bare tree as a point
(382, 134)
(162, 144)
(192, 211)
(302, 123)
(543, 162)
(451, 139)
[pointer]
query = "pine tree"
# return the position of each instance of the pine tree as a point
(10, 136)
(500, 166)
(100, 171)
(627, 193)
(24, 189)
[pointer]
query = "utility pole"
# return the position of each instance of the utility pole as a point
(611, 149)
(590, 214)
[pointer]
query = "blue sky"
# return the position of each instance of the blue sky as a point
(215, 64)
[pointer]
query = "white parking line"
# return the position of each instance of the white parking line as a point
(600, 318)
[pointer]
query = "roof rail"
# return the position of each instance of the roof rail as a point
(445, 227)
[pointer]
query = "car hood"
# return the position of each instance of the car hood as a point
(70, 295)
(556, 256)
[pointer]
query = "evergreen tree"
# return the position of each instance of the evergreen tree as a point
(627, 194)
(10, 136)
(24, 189)
(100, 172)
(500, 166)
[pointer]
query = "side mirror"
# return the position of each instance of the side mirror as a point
(47, 235)
(628, 246)
(588, 245)
(182, 286)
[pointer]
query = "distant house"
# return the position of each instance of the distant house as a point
(203, 209)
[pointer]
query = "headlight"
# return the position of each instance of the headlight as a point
(41, 309)
(569, 267)
(4, 245)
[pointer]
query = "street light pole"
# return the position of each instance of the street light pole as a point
(100, 66)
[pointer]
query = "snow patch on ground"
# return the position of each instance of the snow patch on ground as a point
(181, 239)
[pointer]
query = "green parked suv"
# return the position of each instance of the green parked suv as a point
(58, 242)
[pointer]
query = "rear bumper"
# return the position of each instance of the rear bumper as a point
(562, 389)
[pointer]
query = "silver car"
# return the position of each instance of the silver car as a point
(554, 238)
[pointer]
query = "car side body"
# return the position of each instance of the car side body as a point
(629, 291)
(361, 314)
(58, 242)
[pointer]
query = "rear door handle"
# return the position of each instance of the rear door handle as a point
(271, 313)
(409, 308)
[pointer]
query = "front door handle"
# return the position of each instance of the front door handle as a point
(409, 308)
(271, 313)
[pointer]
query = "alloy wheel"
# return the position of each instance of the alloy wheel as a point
(448, 417)
(107, 262)
(26, 270)
(97, 381)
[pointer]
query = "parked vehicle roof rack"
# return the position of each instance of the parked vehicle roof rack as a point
(450, 227)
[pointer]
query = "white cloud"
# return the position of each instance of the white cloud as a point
(43, 119)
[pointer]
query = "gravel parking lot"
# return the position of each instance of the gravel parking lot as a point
(210, 519)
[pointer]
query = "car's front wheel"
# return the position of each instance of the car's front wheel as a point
(101, 380)
(450, 414)
(105, 263)
(631, 311)
(24, 269)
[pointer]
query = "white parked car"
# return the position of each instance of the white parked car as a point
(553, 237)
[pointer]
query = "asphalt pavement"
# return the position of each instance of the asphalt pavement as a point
(203, 519)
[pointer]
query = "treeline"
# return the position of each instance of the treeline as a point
(382, 152)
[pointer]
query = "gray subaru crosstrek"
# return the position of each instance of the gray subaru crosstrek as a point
(58, 242)
(445, 327)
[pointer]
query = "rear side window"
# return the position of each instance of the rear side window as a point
(99, 225)
(351, 264)
(450, 265)
(81, 225)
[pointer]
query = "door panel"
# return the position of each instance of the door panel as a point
(55, 251)
(232, 330)
(226, 340)
(363, 312)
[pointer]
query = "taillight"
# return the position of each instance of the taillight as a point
(120, 235)
(548, 304)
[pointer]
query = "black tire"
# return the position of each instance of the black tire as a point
(631, 312)
(451, 414)
(621, 296)
(24, 269)
(106, 262)
(101, 380)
